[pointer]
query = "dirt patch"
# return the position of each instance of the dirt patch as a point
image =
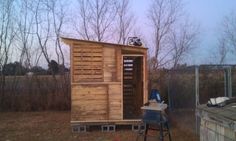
(55, 126)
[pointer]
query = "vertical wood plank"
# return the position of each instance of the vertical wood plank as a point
(71, 63)
(145, 78)
(118, 64)
(115, 108)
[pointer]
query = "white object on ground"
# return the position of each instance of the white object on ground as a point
(218, 100)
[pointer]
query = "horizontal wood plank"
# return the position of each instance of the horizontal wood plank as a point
(93, 67)
(88, 76)
(88, 97)
(88, 72)
(90, 49)
(86, 54)
(89, 89)
(87, 63)
(95, 59)
(86, 45)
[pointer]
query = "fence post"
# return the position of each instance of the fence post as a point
(169, 94)
(197, 96)
(229, 82)
(197, 85)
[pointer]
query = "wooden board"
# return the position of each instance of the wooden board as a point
(100, 122)
(115, 102)
(212, 131)
(118, 64)
(109, 66)
(217, 123)
(96, 102)
(89, 102)
(96, 68)
(87, 63)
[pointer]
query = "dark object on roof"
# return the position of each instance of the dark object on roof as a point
(135, 41)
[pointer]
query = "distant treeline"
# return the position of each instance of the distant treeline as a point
(53, 92)
(34, 88)
(16, 68)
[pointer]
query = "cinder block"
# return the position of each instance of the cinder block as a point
(139, 127)
(108, 128)
(79, 128)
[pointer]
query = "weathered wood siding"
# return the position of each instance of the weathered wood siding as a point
(115, 102)
(214, 131)
(89, 102)
(96, 80)
(87, 63)
(96, 90)
(109, 67)
(217, 123)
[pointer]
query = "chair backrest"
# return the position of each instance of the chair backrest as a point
(151, 116)
(155, 94)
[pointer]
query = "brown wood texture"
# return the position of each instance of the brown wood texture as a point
(87, 62)
(217, 123)
(89, 102)
(109, 64)
(118, 64)
(115, 102)
(101, 122)
(145, 79)
(213, 131)
(96, 78)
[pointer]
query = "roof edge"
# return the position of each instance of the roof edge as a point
(69, 40)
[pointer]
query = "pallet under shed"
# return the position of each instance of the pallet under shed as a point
(108, 82)
(108, 126)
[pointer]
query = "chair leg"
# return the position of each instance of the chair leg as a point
(168, 130)
(146, 131)
(161, 132)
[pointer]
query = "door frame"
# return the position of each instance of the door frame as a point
(143, 79)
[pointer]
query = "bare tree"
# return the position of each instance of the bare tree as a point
(25, 33)
(29, 52)
(163, 15)
(57, 9)
(125, 21)
(183, 40)
(42, 27)
(227, 39)
(96, 19)
(84, 18)
(222, 50)
(229, 30)
(7, 36)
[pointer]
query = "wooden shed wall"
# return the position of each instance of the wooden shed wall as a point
(96, 83)
(96, 80)
(92, 102)
(87, 63)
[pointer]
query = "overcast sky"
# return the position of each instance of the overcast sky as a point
(208, 13)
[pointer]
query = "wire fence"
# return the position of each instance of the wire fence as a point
(181, 90)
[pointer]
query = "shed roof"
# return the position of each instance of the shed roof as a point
(72, 40)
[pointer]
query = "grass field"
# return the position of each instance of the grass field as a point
(55, 126)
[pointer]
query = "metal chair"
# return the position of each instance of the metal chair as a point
(158, 119)
(154, 117)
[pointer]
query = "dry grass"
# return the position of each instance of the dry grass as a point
(36, 93)
(55, 126)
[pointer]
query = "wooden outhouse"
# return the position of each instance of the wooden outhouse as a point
(108, 81)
